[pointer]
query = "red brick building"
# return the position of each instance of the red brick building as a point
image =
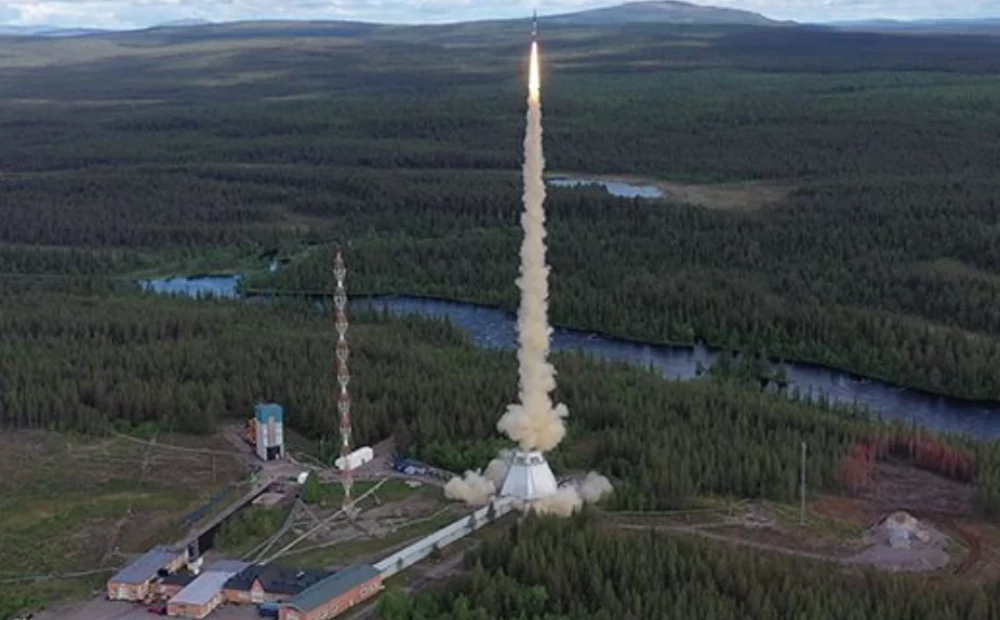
(334, 595)
(136, 582)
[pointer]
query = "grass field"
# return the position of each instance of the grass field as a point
(369, 549)
(70, 504)
(332, 493)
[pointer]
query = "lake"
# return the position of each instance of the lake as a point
(614, 187)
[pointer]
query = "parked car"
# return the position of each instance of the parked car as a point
(159, 610)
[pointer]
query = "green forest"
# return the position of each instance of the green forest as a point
(547, 569)
(878, 252)
(76, 361)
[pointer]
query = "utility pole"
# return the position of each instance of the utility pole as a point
(802, 488)
(343, 378)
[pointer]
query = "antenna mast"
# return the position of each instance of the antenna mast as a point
(343, 378)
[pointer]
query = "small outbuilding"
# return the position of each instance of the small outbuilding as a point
(200, 597)
(270, 583)
(355, 459)
(137, 580)
(334, 595)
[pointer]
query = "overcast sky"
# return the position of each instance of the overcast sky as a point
(141, 13)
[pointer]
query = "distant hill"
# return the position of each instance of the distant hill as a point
(48, 31)
(181, 23)
(654, 12)
(662, 11)
(987, 26)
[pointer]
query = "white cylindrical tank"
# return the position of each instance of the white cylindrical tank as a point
(355, 459)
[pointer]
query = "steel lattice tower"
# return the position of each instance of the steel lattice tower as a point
(343, 378)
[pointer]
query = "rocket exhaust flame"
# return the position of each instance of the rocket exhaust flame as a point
(534, 76)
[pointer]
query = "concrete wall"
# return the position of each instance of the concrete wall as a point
(407, 557)
(168, 591)
(189, 611)
(128, 591)
(195, 611)
(254, 597)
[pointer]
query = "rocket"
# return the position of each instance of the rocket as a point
(534, 26)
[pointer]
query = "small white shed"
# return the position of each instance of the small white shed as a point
(355, 459)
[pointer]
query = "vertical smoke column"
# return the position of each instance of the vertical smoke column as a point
(343, 378)
(534, 423)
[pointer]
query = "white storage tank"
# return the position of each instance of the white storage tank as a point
(355, 459)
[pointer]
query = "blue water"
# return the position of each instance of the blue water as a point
(492, 328)
(215, 286)
(615, 188)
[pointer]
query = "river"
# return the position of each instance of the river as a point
(493, 328)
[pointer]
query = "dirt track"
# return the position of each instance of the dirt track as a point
(734, 540)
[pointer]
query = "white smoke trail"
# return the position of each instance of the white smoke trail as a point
(534, 423)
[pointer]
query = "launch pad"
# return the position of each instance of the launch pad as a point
(528, 477)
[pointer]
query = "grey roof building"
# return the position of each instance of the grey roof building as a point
(208, 585)
(145, 567)
(333, 586)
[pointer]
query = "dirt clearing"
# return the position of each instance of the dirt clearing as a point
(741, 196)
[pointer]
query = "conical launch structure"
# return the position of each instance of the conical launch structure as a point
(528, 477)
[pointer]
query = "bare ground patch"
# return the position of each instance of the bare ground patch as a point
(726, 197)
(744, 196)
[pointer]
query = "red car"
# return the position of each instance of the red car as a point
(159, 610)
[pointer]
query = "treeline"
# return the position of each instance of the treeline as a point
(547, 569)
(76, 362)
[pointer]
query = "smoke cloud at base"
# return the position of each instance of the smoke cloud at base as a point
(496, 471)
(473, 489)
(594, 488)
(570, 498)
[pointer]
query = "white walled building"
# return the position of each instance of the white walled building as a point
(355, 459)
(269, 431)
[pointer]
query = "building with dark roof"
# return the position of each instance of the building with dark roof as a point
(334, 595)
(173, 583)
(135, 581)
(270, 583)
